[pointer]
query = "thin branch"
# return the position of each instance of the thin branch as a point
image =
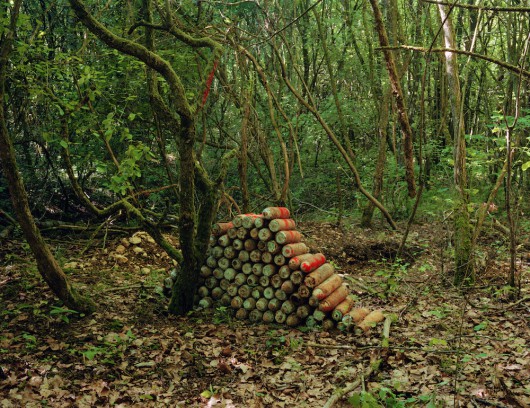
(288, 25)
(478, 8)
(510, 67)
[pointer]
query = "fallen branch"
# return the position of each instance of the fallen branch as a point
(127, 287)
(8, 217)
(375, 363)
(338, 394)
(344, 347)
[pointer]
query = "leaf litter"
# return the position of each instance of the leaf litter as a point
(446, 348)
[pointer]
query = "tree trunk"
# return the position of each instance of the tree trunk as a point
(400, 101)
(463, 232)
(46, 263)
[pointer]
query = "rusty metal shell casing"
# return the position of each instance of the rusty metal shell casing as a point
(242, 314)
(285, 271)
(220, 228)
(217, 251)
(224, 240)
(276, 281)
(268, 316)
(279, 260)
(223, 263)
(297, 277)
(266, 257)
(282, 225)
(205, 271)
(323, 290)
(265, 234)
(273, 247)
(255, 316)
(218, 273)
(257, 292)
(236, 302)
(274, 304)
(249, 244)
(270, 213)
(288, 237)
(319, 275)
(243, 256)
(254, 233)
(262, 304)
(296, 249)
(232, 233)
(255, 255)
(309, 265)
(292, 320)
(237, 244)
(268, 293)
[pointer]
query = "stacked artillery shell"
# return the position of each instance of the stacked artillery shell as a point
(258, 265)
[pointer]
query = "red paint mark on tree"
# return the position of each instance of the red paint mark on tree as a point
(209, 82)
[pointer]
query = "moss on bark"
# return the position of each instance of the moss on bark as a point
(463, 238)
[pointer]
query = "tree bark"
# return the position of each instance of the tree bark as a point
(47, 265)
(193, 238)
(463, 232)
(400, 101)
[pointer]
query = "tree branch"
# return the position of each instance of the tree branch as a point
(484, 8)
(138, 51)
(509, 67)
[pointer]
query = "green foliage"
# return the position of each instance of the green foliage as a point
(281, 346)
(63, 314)
(222, 315)
(391, 274)
(384, 397)
(111, 349)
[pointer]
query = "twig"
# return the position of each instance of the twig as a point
(489, 403)
(374, 366)
(126, 287)
(500, 309)
(344, 347)
(338, 394)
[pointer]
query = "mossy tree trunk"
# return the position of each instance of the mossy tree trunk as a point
(463, 232)
(47, 265)
(194, 227)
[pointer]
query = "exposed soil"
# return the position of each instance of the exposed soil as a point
(446, 347)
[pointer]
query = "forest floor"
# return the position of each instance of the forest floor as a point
(447, 348)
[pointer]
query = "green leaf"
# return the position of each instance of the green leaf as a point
(206, 394)
(480, 326)
(90, 354)
(64, 144)
(525, 166)
(131, 116)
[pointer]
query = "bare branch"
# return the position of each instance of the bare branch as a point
(484, 8)
(509, 67)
